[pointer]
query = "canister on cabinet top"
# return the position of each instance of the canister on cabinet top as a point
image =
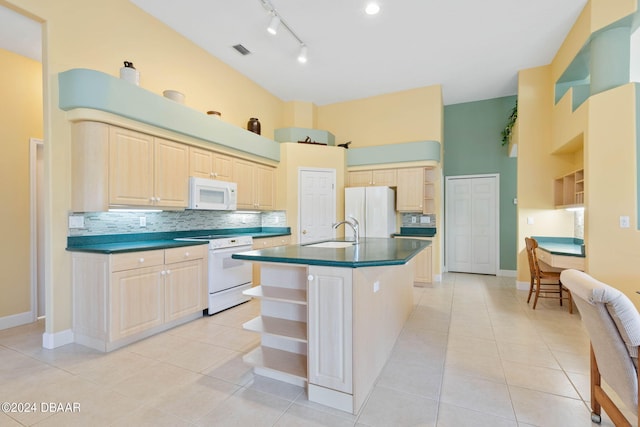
(129, 73)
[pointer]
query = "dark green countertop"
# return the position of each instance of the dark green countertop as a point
(371, 252)
(133, 242)
(566, 246)
(416, 232)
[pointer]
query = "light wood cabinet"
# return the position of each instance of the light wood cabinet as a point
(112, 166)
(147, 171)
(378, 177)
(256, 185)
(121, 298)
(409, 192)
(330, 308)
(568, 190)
(423, 270)
(210, 164)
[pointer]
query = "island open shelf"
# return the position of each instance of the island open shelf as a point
(329, 317)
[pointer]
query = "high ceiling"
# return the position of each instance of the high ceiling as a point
(473, 48)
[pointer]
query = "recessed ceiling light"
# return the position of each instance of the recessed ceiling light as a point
(372, 8)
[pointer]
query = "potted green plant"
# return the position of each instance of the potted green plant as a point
(508, 129)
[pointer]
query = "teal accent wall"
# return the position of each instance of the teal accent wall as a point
(472, 145)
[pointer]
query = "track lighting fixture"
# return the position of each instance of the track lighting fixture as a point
(273, 25)
(276, 22)
(302, 56)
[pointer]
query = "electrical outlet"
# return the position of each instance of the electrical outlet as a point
(425, 220)
(413, 220)
(624, 222)
(376, 286)
(143, 221)
(529, 220)
(76, 221)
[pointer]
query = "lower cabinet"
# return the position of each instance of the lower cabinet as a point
(121, 298)
(423, 262)
(330, 355)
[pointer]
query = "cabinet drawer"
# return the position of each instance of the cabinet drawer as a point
(270, 242)
(130, 260)
(184, 253)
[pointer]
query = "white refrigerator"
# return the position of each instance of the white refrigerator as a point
(373, 207)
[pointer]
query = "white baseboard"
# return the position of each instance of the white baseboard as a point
(508, 273)
(57, 339)
(16, 320)
(522, 286)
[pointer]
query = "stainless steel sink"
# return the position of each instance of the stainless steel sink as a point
(330, 244)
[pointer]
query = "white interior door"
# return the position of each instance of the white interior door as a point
(317, 204)
(471, 222)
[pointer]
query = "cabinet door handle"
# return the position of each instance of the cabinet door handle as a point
(186, 254)
(310, 277)
(162, 273)
(168, 271)
(141, 260)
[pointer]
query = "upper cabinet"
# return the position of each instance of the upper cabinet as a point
(112, 166)
(380, 177)
(256, 185)
(410, 190)
(147, 171)
(210, 164)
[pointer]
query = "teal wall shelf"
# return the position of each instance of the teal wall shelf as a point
(417, 151)
(83, 88)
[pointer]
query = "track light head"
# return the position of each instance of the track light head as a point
(273, 25)
(302, 56)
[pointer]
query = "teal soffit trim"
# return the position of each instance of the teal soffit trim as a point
(294, 134)
(394, 153)
(83, 88)
(578, 73)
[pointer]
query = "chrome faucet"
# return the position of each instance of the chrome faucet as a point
(355, 226)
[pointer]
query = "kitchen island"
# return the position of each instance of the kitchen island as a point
(331, 313)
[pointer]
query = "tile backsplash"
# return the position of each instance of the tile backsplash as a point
(420, 219)
(98, 223)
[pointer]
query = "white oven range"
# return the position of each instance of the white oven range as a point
(227, 277)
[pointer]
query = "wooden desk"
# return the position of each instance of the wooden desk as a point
(560, 261)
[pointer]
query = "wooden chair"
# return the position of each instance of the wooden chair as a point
(613, 324)
(545, 284)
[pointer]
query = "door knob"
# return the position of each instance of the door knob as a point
(310, 277)
(304, 231)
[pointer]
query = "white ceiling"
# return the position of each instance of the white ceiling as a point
(473, 48)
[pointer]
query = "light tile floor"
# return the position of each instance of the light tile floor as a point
(473, 353)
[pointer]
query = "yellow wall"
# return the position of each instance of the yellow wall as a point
(599, 136)
(300, 114)
(293, 156)
(20, 119)
(537, 168)
(100, 35)
(412, 115)
(610, 176)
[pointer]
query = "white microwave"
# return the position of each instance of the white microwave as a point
(212, 194)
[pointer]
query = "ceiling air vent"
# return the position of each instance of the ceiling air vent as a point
(243, 50)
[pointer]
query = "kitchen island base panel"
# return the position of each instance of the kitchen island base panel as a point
(278, 364)
(332, 398)
(330, 329)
